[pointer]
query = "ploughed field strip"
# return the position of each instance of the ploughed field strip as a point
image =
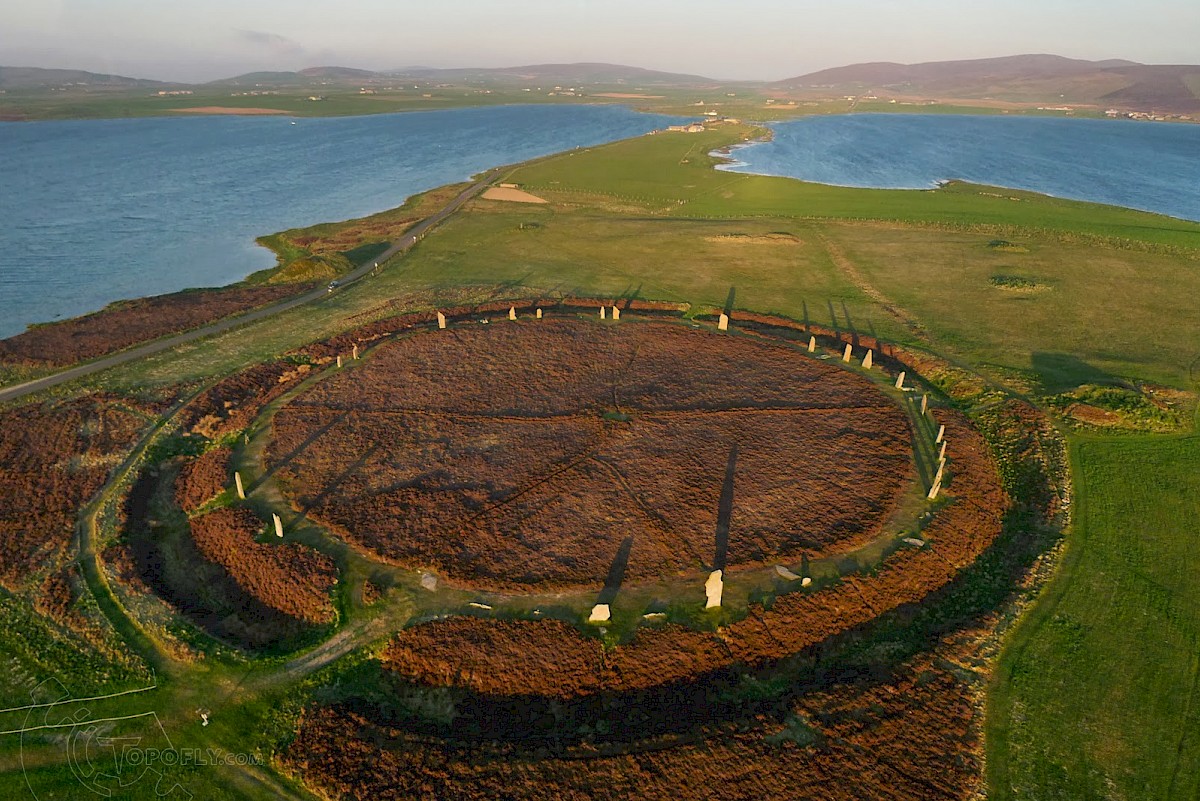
(522, 456)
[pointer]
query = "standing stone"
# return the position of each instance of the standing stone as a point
(924, 403)
(933, 491)
(812, 344)
(339, 360)
(278, 525)
(237, 480)
(868, 360)
(512, 312)
(603, 312)
(942, 452)
(539, 314)
(937, 478)
(246, 439)
(713, 589)
(848, 353)
(601, 613)
(441, 320)
(900, 380)
(616, 313)
(941, 434)
(355, 353)
(723, 322)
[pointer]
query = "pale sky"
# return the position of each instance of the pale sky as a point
(737, 39)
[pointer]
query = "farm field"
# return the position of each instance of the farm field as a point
(1048, 335)
(1062, 730)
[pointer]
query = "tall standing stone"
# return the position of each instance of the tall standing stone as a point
(812, 344)
(713, 589)
(512, 312)
(601, 613)
(616, 313)
(441, 320)
(933, 492)
(924, 403)
(900, 380)
(868, 360)
(723, 322)
(539, 314)
(603, 312)
(339, 360)
(941, 434)
(354, 353)
(849, 351)
(237, 481)
(278, 525)
(942, 452)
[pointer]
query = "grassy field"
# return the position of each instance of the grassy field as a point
(1098, 693)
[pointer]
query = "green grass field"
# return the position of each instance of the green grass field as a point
(1098, 693)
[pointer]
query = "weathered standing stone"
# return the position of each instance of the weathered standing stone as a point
(785, 573)
(713, 589)
(278, 525)
(869, 359)
(849, 352)
(600, 614)
(723, 322)
(933, 491)
(942, 452)
(812, 344)
(512, 312)
(354, 353)
(539, 314)
(900, 380)
(924, 403)
(941, 434)
(237, 480)
(603, 312)
(616, 313)
(339, 360)
(441, 320)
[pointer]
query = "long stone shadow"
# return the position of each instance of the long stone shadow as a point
(729, 299)
(299, 449)
(616, 573)
(725, 512)
(1061, 372)
(334, 484)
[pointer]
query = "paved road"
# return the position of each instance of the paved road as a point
(158, 346)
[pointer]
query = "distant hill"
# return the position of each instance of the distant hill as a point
(1026, 78)
(558, 73)
(38, 78)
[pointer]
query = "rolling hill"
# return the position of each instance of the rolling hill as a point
(1026, 78)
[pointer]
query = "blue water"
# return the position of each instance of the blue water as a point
(1141, 165)
(99, 210)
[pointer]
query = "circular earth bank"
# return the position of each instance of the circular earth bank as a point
(562, 453)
